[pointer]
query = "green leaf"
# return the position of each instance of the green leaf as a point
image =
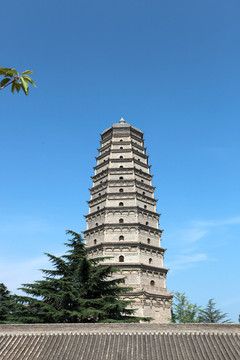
(28, 72)
(25, 85)
(18, 86)
(13, 87)
(4, 70)
(4, 81)
(11, 72)
(29, 79)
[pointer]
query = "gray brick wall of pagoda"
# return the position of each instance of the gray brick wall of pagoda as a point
(123, 223)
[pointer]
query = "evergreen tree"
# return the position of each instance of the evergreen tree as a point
(12, 307)
(212, 315)
(77, 289)
(5, 303)
(182, 310)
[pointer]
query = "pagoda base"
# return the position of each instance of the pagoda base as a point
(156, 306)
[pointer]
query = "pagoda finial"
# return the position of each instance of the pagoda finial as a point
(122, 121)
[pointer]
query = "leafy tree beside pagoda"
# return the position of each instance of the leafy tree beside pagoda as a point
(183, 311)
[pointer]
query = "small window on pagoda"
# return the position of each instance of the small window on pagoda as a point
(148, 241)
(121, 147)
(141, 180)
(150, 261)
(146, 222)
(121, 166)
(121, 221)
(96, 224)
(121, 237)
(121, 139)
(121, 157)
(121, 204)
(138, 159)
(121, 190)
(95, 241)
(143, 192)
(101, 182)
(121, 258)
(121, 178)
(145, 206)
(99, 194)
(98, 208)
(152, 283)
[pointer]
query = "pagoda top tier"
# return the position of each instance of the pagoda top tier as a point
(121, 125)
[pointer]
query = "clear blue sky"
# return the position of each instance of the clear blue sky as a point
(170, 68)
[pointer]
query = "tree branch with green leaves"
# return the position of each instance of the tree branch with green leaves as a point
(17, 81)
(183, 311)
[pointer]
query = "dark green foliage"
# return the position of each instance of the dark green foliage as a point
(13, 308)
(182, 310)
(17, 82)
(9, 306)
(173, 316)
(77, 289)
(212, 315)
(5, 303)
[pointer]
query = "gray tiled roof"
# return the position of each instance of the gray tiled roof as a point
(120, 342)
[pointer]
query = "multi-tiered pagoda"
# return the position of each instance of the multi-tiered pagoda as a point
(123, 223)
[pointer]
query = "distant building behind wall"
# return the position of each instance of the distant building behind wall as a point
(123, 223)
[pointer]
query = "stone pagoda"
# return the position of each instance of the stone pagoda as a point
(123, 223)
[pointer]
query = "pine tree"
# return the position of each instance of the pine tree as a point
(77, 289)
(5, 303)
(182, 310)
(212, 315)
(12, 308)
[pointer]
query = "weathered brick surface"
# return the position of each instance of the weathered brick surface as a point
(122, 216)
